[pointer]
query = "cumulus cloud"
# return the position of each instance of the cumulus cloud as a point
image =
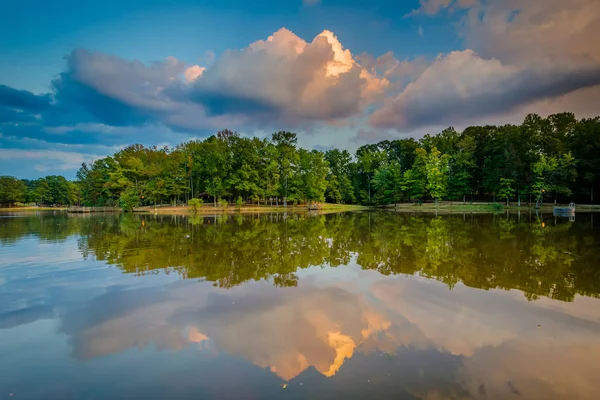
(116, 91)
(519, 54)
(462, 85)
(280, 80)
(287, 79)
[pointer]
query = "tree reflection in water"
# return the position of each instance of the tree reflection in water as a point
(540, 256)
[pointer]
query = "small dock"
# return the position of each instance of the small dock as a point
(565, 211)
(85, 210)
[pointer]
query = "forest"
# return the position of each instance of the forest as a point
(542, 160)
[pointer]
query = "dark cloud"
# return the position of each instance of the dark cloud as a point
(15, 116)
(78, 102)
(23, 100)
(98, 99)
(222, 103)
(114, 91)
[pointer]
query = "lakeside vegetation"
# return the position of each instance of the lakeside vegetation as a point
(543, 159)
(209, 209)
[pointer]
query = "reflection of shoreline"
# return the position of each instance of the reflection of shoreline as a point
(541, 257)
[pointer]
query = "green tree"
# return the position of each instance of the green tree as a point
(553, 175)
(368, 158)
(129, 199)
(287, 159)
(41, 191)
(312, 174)
(387, 182)
(333, 193)
(461, 168)
(195, 204)
(415, 179)
(213, 161)
(584, 142)
(12, 190)
(437, 174)
(507, 190)
(340, 166)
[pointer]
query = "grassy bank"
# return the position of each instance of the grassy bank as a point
(209, 209)
(32, 208)
(482, 207)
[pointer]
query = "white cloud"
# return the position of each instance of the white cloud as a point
(288, 79)
(194, 72)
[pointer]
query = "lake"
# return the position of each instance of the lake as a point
(354, 305)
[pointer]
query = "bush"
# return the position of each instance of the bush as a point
(223, 203)
(195, 204)
(497, 207)
(239, 202)
(129, 199)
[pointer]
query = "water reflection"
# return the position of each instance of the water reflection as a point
(540, 256)
(382, 324)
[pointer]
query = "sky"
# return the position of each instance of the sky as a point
(81, 80)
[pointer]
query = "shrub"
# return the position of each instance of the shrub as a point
(239, 202)
(223, 203)
(195, 204)
(129, 199)
(497, 207)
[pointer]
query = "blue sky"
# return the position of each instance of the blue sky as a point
(81, 79)
(41, 33)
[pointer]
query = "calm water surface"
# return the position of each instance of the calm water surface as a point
(359, 305)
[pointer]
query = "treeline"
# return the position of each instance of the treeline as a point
(543, 159)
(51, 189)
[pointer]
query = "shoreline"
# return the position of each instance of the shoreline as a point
(29, 208)
(210, 210)
(485, 208)
(427, 208)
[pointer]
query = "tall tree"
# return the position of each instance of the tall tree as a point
(437, 174)
(340, 172)
(415, 179)
(461, 168)
(287, 159)
(312, 172)
(553, 175)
